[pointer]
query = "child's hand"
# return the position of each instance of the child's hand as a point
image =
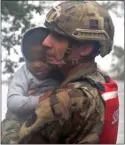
(46, 94)
(31, 92)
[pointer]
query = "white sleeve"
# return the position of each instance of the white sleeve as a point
(17, 99)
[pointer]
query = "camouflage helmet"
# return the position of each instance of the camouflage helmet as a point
(82, 20)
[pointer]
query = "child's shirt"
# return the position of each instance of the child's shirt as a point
(18, 100)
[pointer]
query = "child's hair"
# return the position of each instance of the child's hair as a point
(33, 37)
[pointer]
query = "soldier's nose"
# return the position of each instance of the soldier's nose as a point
(48, 42)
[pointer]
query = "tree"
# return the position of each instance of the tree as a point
(117, 65)
(117, 7)
(17, 17)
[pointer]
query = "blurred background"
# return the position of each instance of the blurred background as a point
(19, 16)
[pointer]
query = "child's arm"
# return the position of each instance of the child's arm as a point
(18, 99)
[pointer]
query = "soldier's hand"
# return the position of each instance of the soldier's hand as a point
(45, 95)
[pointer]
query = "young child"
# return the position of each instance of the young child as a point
(33, 81)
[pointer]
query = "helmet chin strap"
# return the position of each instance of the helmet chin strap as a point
(67, 53)
(87, 58)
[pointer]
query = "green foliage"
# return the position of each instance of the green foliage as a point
(117, 66)
(114, 6)
(16, 19)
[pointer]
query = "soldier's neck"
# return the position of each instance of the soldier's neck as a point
(69, 70)
(78, 71)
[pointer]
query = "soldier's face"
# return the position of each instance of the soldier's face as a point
(56, 47)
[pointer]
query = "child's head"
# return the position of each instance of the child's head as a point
(34, 52)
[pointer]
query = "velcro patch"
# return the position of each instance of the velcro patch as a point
(93, 24)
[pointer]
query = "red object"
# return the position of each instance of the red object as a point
(110, 129)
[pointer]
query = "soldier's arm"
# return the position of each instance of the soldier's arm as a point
(83, 112)
(72, 115)
(91, 113)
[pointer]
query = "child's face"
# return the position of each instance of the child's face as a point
(37, 65)
(39, 69)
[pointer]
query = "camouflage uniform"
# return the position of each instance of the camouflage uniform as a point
(10, 127)
(73, 114)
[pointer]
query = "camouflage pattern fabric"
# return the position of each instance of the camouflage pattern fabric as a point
(74, 114)
(82, 20)
(10, 130)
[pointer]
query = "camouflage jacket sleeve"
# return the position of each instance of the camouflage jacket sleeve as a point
(73, 115)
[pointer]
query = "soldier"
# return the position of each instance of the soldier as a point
(85, 109)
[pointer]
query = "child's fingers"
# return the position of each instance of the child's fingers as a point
(31, 92)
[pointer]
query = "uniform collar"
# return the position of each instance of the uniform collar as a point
(81, 70)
